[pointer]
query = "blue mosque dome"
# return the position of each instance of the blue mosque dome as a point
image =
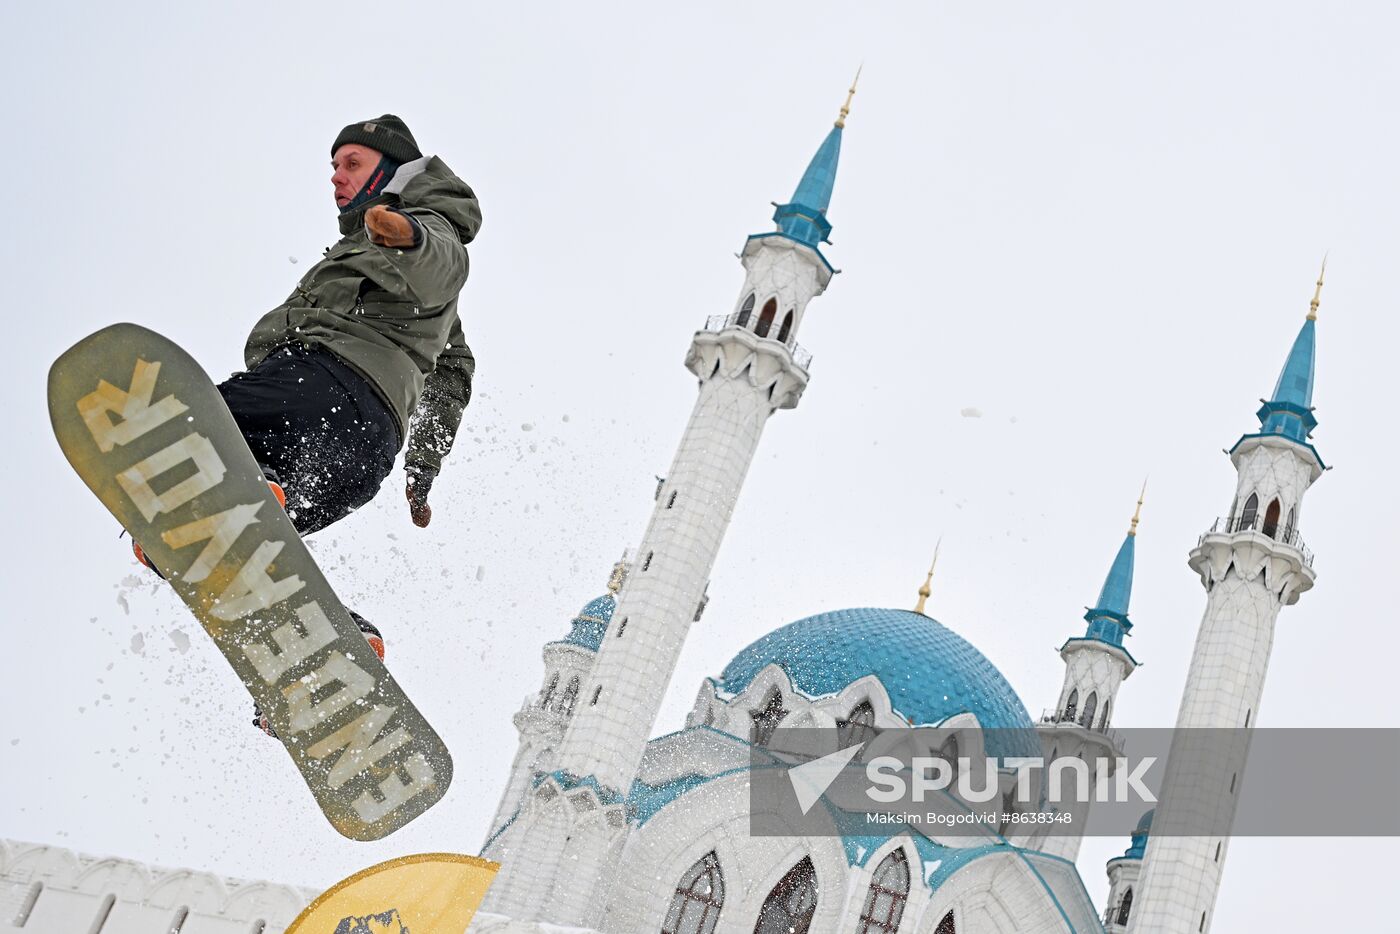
(591, 623)
(929, 672)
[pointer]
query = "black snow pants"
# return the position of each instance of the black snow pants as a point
(319, 427)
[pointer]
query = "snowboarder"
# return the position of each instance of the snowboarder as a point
(367, 352)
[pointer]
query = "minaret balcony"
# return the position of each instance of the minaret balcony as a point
(1252, 547)
(769, 331)
(1103, 735)
(1255, 524)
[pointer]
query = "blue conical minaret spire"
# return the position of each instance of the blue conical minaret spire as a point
(804, 217)
(1108, 618)
(1288, 412)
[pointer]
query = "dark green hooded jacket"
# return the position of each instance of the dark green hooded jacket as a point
(391, 314)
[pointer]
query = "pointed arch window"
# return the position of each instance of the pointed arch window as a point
(792, 903)
(699, 896)
(745, 312)
(765, 318)
(549, 691)
(566, 703)
(785, 331)
(1125, 908)
(1288, 529)
(858, 727)
(1271, 517)
(947, 925)
(766, 719)
(1251, 512)
(889, 891)
(1103, 721)
(1072, 705)
(1091, 706)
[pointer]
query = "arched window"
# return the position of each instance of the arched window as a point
(1072, 706)
(766, 720)
(947, 925)
(1103, 721)
(1271, 517)
(786, 329)
(1251, 512)
(566, 703)
(699, 896)
(1091, 706)
(858, 727)
(1125, 907)
(549, 691)
(949, 753)
(745, 312)
(765, 319)
(889, 890)
(788, 909)
(1288, 529)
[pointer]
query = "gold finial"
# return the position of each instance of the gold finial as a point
(1137, 513)
(619, 574)
(846, 107)
(1317, 295)
(925, 590)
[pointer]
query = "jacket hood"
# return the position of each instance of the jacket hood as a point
(426, 183)
(429, 183)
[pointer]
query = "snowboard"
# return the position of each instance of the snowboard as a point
(147, 431)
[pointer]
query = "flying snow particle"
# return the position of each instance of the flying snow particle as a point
(292, 260)
(481, 572)
(182, 641)
(971, 412)
(121, 602)
(527, 426)
(138, 643)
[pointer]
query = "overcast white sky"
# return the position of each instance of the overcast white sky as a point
(1096, 223)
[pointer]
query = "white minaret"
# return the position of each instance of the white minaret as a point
(749, 365)
(1095, 665)
(1252, 564)
(1123, 875)
(541, 720)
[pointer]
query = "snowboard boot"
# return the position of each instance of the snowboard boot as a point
(136, 550)
(376, 644)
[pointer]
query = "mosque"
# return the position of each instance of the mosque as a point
(602, 827)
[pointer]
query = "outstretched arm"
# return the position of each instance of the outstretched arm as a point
(424, 248)
(434, 424)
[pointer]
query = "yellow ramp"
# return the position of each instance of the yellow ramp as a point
(431, 893)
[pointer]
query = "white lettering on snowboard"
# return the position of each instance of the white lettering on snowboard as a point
(372, 751)
(253, 589)
(302, 705)
(220, 531)
(136, 480)
(133, 405)
(294, 647)
(396, 792)
(356, 746)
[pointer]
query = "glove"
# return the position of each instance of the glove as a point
(419, 483)
(391, 228)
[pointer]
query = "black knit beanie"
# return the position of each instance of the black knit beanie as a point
(388, 134)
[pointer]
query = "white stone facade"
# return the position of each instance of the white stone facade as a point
(1251, 567)
(746, 373)
(51, 890)
(1004, 889)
